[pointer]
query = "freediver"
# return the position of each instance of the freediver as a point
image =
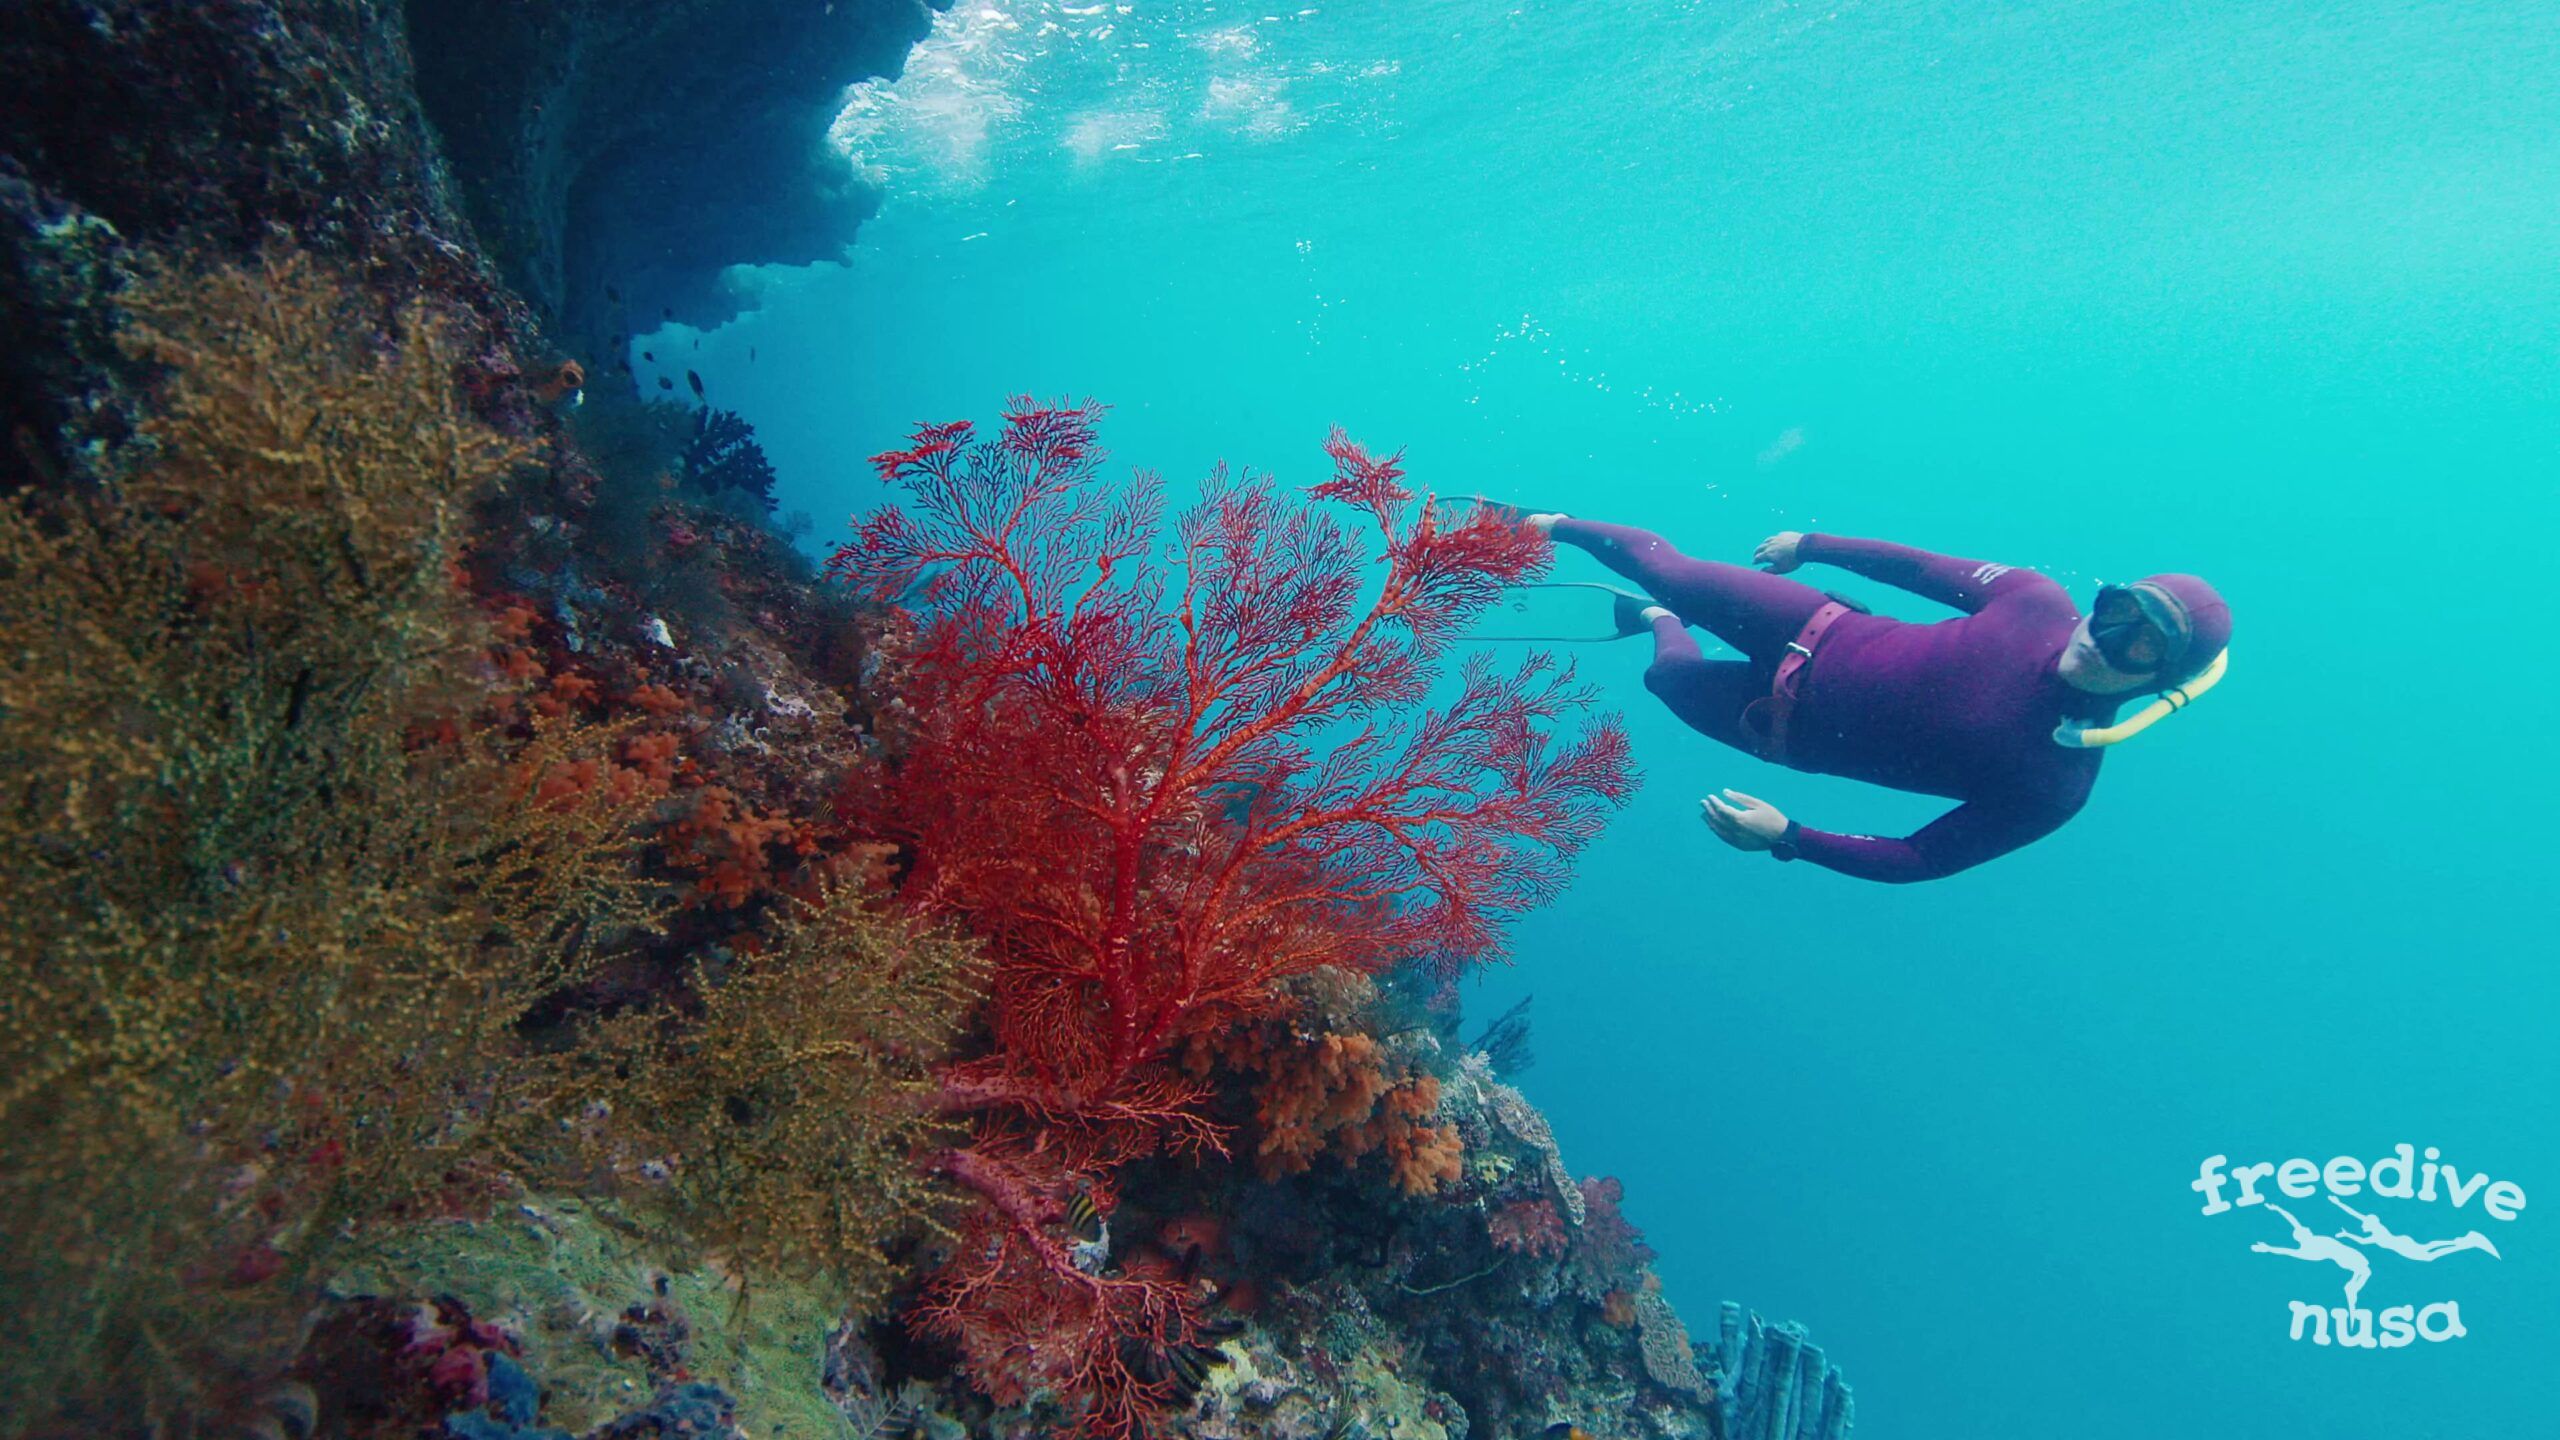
(2006, 709)
(2374, 1235)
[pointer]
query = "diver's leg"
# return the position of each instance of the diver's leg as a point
(1708, 694)
(1754, 612)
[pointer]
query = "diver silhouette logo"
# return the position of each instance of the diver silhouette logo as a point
(2307, 1246)
(2379, 1235)
(2401, 1175)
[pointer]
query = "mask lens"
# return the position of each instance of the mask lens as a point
(2135, 647)
(2126, 636)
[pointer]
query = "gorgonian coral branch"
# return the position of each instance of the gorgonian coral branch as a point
(1128, 788)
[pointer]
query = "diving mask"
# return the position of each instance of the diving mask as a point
(2139, 629)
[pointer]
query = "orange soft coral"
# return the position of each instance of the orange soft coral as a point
(724, 844)
(654, 759)
(564, 786)
(1332, 1086)
(1335, 1093)
(515, 622)
(658, 701)
(1420, 1157)
(566, 690)
(516, 664)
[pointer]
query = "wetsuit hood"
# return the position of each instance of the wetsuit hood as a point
(2207, 617)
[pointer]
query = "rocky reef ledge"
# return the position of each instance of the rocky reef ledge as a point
(516, 159)
(646, 147)
(503, 947)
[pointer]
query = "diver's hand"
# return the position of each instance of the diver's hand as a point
(1742, 822)
(1778, 552)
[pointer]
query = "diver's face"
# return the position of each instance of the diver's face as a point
(2085, 668)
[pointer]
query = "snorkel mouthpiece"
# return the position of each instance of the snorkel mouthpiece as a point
(2171, 701)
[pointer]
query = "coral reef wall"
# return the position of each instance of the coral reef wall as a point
(647, 147)
(766, 996)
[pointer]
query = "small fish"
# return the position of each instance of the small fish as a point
(613, 295)
(697, 342)
(695, 381)
(649, 355)
(565, 382)
(622, 365)
(751, 354)
(665, 384)
(1084, 1223)
(1563, 1430)
(669, 312)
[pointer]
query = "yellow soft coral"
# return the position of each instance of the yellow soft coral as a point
(276, 911)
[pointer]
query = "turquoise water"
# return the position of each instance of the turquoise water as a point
(2267, 293)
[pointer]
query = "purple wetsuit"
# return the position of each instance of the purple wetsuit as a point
(1963, 708)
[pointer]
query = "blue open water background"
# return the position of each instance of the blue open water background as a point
(2270, 293)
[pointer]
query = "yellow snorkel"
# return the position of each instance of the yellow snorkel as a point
(2170, 702)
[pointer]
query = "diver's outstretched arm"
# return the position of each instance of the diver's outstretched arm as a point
(1967, 585)
(1964, 837)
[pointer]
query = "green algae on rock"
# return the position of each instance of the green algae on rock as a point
(577, 1281)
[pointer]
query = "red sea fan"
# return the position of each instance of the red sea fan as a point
(1159, 786)
(1026, 1316)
